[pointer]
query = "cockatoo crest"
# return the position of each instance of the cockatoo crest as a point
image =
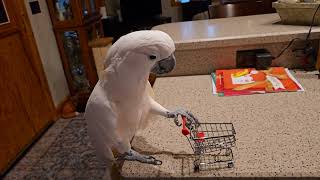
(150, 44)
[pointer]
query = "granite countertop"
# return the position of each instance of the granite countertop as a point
(277, 134)
(234, 31)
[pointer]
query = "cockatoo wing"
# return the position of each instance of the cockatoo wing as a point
(102, 121)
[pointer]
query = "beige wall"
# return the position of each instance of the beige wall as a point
(49, 53)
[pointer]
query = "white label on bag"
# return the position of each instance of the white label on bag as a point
(247, 79)
(276, 83)
(254, 72)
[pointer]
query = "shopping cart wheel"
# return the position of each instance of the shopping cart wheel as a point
(230, 164)
(196, 168)
(228, 152)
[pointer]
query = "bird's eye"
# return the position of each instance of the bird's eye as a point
(152, 57)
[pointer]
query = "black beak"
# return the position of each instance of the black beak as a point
(165, 65)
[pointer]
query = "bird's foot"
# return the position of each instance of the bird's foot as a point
(132, 155)
(191, 119)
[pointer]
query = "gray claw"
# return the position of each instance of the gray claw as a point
(135, 156)
(176, 121)
(191, 119)
(195, 120)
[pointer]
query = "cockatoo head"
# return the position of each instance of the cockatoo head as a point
(147, 50)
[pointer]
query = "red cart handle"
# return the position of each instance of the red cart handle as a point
(184, 130)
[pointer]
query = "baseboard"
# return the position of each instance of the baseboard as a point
(60, 106)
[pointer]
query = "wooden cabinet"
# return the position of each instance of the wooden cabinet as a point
(75, 24)
(72, 13)
(26, 107)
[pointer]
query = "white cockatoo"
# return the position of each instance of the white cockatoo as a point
(120, 104)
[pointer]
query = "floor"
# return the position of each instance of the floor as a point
(64, 152)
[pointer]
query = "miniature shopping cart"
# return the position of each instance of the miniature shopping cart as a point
(211, 144)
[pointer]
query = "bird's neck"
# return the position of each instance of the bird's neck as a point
(127, 80)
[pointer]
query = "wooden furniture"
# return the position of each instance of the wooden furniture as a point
(26, 107)
(75, 24)
(233, 8)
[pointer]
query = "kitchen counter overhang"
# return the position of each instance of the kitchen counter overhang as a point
(235, 31)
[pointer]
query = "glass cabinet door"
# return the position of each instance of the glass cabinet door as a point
(63, 10)
(85, 9)
(71, 46)
(88, 7)
(92, 6)
(4, 19)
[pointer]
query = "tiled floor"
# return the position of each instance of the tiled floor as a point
(64, 152)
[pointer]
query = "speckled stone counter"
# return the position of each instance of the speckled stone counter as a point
(206, 45)
(225, 32)
(277, 134)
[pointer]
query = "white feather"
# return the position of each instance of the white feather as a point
(120, 104)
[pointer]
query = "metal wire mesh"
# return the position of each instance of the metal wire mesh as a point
(214, 161)
(211, 137)
(211, 143)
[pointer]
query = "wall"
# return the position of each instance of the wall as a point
(174, 12)
(49, 53)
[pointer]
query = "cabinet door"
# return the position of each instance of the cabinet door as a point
(89, 8)
(73, 61)
(16, 128)
(93, 6)
(64, 13)
(85, 8)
